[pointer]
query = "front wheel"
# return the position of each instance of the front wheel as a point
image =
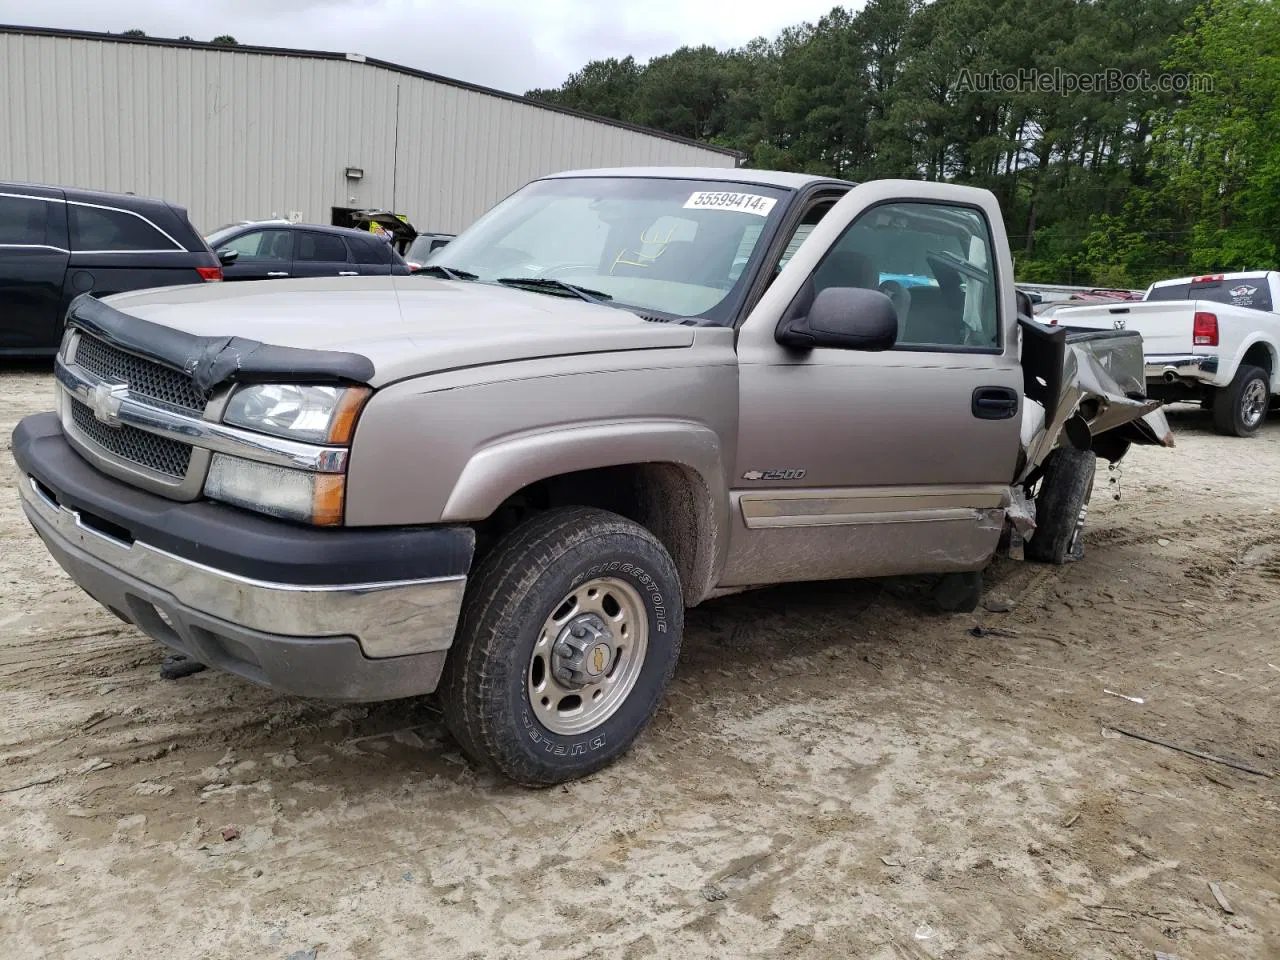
(569, 634)
(1240, 407)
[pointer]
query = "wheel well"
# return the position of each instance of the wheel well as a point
(1259, 355)
(669, 500)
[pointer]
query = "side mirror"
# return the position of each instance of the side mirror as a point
(849, 318)
(1026, 303)
(227, 256)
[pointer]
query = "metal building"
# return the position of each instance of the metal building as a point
(244, 132)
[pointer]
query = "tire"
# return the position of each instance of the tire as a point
(1065, 488)
(1240, 407)
(504, 694)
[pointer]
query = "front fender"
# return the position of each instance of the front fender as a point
(451, 447)
(505, 466)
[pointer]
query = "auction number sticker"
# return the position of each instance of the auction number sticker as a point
(737, 202)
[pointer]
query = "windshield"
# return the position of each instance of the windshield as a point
(677, 247)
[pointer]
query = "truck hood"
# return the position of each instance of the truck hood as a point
(405, 326)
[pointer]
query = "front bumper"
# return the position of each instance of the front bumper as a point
(1168, 368)
(335, 614)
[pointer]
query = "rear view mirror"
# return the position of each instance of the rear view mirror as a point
(227, 256)
(848, 318)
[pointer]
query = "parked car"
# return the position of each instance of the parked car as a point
(505, 478)
(59, 242)
(425, 244)
(1212, 340)
(271, 250)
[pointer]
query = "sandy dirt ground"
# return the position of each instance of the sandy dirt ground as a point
(837, 772)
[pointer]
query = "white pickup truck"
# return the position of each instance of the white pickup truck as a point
(1212, 340)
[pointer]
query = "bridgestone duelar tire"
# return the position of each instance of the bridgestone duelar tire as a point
(567, 572)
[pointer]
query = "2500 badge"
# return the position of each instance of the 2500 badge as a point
(774, 475)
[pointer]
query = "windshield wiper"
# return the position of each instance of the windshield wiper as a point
(449, 273)
(550, 283)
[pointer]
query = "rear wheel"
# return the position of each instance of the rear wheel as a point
(568, 638)
(1240, 407)
(1061, 506)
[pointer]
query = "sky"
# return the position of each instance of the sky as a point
(507, 44)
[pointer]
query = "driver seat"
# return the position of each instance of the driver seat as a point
(846, 268)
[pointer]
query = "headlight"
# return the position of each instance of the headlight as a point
(276, 491)
(297, 412)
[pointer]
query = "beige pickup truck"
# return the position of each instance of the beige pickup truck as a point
(618, 394)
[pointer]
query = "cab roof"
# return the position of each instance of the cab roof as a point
(765, 178)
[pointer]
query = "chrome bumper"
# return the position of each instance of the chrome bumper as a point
(388, 620)
(1170, 367)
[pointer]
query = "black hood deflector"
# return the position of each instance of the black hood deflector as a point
(211, 361)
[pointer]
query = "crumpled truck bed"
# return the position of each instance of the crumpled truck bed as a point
(1086, 389)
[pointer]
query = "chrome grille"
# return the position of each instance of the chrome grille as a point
(145, 378)
(165, 456)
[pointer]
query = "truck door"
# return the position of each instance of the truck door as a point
(33, 263)
(853, 463)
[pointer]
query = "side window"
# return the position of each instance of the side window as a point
(23, 222)
(113, 231)
(321, 247)
(262, 245)
(369, 251)
(802, 233)
(934, 261)
(812, 217)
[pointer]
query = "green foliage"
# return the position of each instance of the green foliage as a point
(226, 40)
(603, 87)
(1114, 187)
(1222, 146)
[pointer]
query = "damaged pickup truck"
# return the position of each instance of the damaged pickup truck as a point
(618, 394)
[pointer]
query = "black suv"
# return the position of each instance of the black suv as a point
(59, 242)
(274, 249)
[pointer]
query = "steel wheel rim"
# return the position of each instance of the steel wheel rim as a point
(1254, 403)
(570, 707)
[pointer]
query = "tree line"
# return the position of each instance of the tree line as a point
(224, 40)
(1127, 140)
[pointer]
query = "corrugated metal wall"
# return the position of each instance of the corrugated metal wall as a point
(245, 135)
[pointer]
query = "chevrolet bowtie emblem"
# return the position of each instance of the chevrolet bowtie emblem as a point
(105, 399)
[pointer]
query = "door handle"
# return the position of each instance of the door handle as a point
(348, 273)
(995, 403)
(277, 273)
